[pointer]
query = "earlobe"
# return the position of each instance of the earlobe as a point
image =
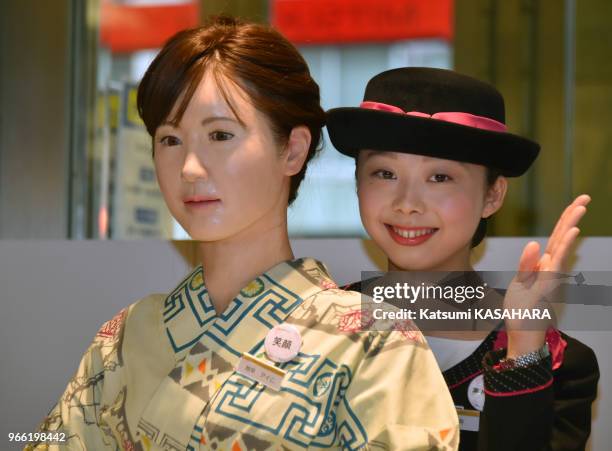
(296, 152)
(495, 196)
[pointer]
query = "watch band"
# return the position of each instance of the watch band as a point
(525, 360)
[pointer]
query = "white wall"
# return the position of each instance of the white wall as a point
(55, 294)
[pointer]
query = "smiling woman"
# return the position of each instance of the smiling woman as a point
(426, 187)
(392, 185)
(254, 349)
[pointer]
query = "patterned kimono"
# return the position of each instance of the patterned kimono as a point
(161, 375)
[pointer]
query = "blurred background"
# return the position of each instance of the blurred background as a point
(76, 166)
(75, 160)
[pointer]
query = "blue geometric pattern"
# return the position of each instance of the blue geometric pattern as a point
(173, 305)
(270, 308)
(316, 389)
(189, 301)
(314, 410)
(194, 440)
(189, 307)
(350, 431)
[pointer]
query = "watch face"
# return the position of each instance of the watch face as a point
(476, 394)
(545, 351)
(506, 364)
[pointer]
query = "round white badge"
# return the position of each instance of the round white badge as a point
(476, 394)
(283, 343)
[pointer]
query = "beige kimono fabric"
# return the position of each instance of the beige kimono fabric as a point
(160, 375)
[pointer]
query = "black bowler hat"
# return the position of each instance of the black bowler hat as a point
(432, 112)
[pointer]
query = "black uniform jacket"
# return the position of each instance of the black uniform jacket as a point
(526, 409)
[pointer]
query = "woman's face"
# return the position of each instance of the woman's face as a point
(221, 177)
(422, 211)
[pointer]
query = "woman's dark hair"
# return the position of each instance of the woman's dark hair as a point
(481, 231)
(255, 57)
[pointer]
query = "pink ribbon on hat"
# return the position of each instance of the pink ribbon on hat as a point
(468, 119)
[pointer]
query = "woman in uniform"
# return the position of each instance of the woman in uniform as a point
(433, 153)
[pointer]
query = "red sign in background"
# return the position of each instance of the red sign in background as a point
(125, 28)
(345, 21)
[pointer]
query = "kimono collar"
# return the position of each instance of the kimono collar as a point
(270, 298)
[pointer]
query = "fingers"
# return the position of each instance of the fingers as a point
(575, 217)
(561, 219)
(583, 200)
(542, 277)
(569, 218)
(572, 219)
(580, 201)
(562, 250)
(545, 262)
(528, 261)
(546, 279)
(563, 236)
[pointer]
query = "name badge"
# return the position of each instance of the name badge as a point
(283, 343)
(476, 393)
(469, 420)
(259, 371)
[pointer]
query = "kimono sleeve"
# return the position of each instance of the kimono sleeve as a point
(75, 422)
(398, 399)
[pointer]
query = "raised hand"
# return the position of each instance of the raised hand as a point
(535, 279)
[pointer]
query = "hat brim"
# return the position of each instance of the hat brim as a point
(355, 129)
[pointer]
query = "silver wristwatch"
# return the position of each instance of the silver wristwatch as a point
(525, 360)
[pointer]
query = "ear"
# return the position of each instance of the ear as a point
(495, 196)
(297, 149)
